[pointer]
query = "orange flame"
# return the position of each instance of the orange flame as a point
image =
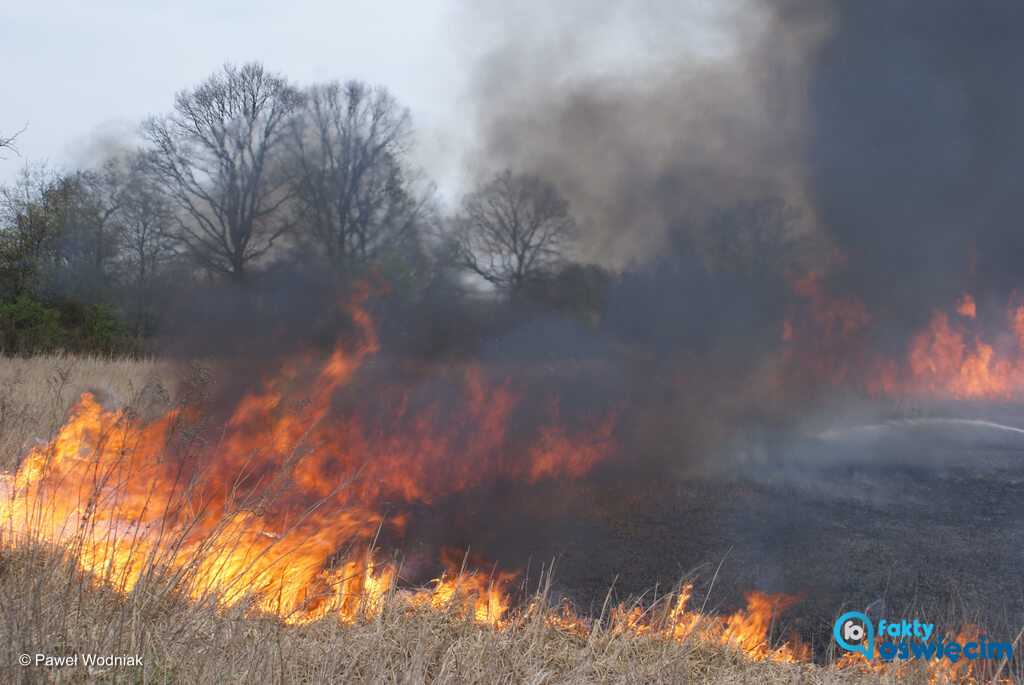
(283, 507)
(965, 307)
(953, 356)
(943, 362)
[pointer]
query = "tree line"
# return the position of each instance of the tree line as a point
(246, 171)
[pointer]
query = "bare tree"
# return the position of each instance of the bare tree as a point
(145, 223)
(90, 241)
(215, 157)
(514, 228)
(757, 236)
(354, 191)
(7, 142)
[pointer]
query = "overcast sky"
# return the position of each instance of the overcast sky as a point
(83, 74)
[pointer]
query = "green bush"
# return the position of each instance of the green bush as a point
(102, 330)
(27, 326)
(30, 326)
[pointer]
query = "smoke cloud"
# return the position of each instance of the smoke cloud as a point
(914, 137)
(890, 128)
(706, 112)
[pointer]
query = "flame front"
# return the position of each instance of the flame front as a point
(955, 356)
(282, 507)
(748, 630)
(947, 359)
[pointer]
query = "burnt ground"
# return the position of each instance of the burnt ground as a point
(920, 516)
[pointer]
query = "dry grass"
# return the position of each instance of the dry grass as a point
(48, 606)
(36, 393)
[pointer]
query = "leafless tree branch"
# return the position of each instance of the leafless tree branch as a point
(354, 192)
(7, 142)
(216, 158)
(512, 229)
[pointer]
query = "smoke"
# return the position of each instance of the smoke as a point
(712, 151)
(677, 131)
(892, 129)
(914, 139)
(650, 116)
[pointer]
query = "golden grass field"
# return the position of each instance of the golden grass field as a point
(48, 606)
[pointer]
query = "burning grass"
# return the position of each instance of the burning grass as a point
(955, 356)
(127, 530)
(37, 392)
(50, 606)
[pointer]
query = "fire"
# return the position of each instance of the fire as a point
(820, 332)
(748, 630)
(282, 507)
(936, 671)
(966, 307)
(954, 356)
(942, 361)
(282, 510)
(483, 597)
(835, 316)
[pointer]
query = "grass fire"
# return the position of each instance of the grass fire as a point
(652, 341)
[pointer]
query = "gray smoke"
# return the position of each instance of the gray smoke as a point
(895, 130)
(650, 115)
(914, 149)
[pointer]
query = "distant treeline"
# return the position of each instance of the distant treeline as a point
(247, 173)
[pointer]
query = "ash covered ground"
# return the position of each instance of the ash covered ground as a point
(919, 515)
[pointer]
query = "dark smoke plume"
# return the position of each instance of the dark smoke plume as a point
(677, 132)
(893, 129)
(914, 149)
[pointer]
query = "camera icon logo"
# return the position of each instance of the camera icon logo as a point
(854, 632)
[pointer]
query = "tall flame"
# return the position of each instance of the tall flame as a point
(283, 506)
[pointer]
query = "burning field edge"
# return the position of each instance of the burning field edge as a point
(50, 607)
(208, 609)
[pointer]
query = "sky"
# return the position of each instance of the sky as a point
(82, 75)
